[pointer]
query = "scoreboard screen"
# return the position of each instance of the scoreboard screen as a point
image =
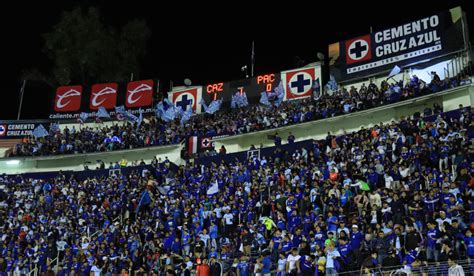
(251, 86)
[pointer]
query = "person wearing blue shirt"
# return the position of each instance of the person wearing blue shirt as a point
(345, 250)
(433, 236)
(267, 265)
(185, 241)
(469, 243)
(286, 245)
(243, 267)
(356, 240)
(332, 222)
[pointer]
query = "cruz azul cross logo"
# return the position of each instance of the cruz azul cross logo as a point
(3, 130)
(206, 143)
(299, 83)
(104, 94)
(139, 93)
(185, 98)
(358, 49)
(68, 98)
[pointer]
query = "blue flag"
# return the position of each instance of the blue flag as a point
(185, 115)
(264, 98)
(140, 118)
(395, 71)
(144, 200)
(160, 109)
(102, 113)
(213, 107)
(239, 100)
(82, 117)
(332, 84)
(124, 114)
(233, 101)
(280, 94)
(40, 131)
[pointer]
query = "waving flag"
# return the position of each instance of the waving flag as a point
(233, 101)
(144, 200)
(213, 189)
(204, 105)
(82, 117)
(124, 114)
(213, 107)
(40, 131)
(140, 118)
(166, 110)
(395, 71)
(280, 94)
(185, 115)
(239, 100)
(160, 109)
(102, 113)
(264, 99)
(332, 84)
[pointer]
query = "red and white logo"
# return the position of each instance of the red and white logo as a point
(299, 83)
(104, 94)
(358, 49)
(207, 143)
(3, 130)
(185, 98)
(139, 93)
(68, 98)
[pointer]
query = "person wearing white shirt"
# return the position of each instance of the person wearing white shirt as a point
(292, 262)
(96, 270)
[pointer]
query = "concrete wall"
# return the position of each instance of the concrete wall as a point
(310, 130)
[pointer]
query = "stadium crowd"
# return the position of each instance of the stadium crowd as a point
(155, 132)
(391, 195)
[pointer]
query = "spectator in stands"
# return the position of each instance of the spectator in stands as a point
(291, 138)
(222, 150)
(454, 268)
(277, 139)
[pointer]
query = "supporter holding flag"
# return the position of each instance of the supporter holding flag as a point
(145, 200)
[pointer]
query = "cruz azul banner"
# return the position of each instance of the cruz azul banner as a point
(403, 45)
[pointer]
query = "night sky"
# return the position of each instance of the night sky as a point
(199, 42)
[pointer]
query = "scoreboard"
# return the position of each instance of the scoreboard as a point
(251, 86)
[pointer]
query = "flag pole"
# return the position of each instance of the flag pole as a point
(252, 58)
(22, 92)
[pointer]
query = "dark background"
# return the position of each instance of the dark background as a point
(208, 43)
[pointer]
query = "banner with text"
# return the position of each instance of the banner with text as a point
(403, 45)
(12, 130)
